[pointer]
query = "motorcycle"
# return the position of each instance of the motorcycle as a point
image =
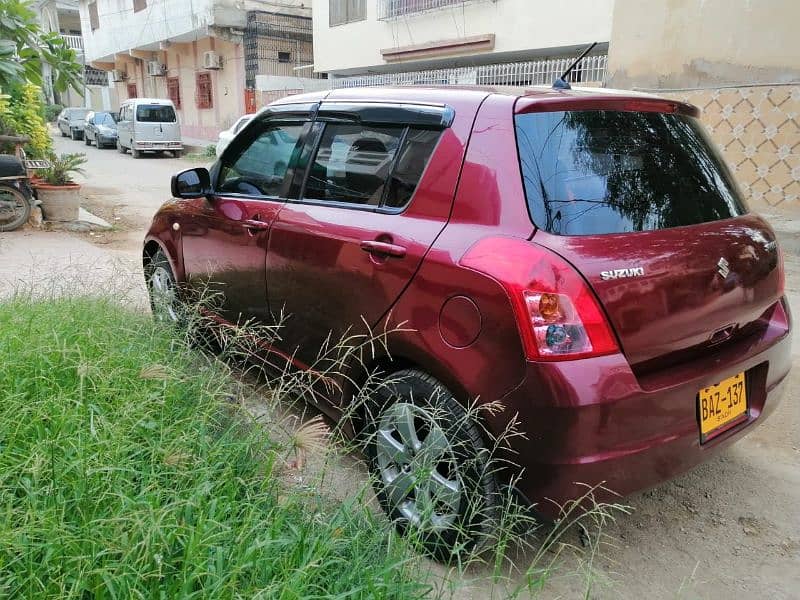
(17, 197)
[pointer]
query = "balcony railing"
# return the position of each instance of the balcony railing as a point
(393, 9)
(74, 41)
(591, 70)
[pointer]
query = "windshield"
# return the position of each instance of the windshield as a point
(105, 119)
(77, 113)
(155, 113)
(593, 172)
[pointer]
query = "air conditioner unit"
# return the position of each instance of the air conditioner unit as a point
(156, 69)
(115, 75)
(212, 60)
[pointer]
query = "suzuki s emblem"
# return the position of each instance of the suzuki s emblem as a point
(622, 273)
(723, 268)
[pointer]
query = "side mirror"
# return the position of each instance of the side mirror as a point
(191, 183)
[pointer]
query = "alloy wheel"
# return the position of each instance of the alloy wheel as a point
(163, 296)
(417, 467)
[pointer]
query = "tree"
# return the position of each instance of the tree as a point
(25, 48)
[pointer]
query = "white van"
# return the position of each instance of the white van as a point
(148, 125)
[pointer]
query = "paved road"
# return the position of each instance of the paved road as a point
(729, 529)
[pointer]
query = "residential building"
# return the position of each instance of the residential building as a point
(203, 54)
(491, 42)
(62, 16)
(735, 59)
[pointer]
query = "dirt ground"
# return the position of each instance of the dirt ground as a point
(729, 529)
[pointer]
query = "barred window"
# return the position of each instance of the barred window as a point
(347, 11)
(174, 91)
(203, 90)
(94, 18)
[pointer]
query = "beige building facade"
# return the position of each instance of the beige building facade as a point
(204, 55)
(738, 60)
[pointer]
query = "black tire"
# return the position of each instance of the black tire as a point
(62, 132)
(120, 148)
(176, 153)
(74, 134)
(136, 153)
(86, 140)
(466, 462)
(17, 216)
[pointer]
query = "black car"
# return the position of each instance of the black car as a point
(101, 128)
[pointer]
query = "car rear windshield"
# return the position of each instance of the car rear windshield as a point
(155, 113)
(104, 119)
(594, 172)
(78, 113)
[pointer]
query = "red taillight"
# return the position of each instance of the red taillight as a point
(558, 315)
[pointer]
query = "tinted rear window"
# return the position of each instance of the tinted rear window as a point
(155, 113)
(594, 172)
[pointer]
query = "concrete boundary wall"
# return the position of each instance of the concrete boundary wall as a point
(758, 130)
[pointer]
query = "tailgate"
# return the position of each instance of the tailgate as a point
(671, 292)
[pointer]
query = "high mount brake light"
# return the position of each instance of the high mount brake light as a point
(557, 314)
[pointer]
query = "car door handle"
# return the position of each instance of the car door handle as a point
(383, 248)
(254, 225)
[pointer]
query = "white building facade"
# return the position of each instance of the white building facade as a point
(458, 41)
(195, 52)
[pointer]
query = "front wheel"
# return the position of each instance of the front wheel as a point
(432, 471)
(86, 140)
(136, 153)
(120, 147)
(163, 290)
(14, 208)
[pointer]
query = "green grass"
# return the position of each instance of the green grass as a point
(124, 473)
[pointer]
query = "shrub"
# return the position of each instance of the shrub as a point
(51, 112)
(24, 117)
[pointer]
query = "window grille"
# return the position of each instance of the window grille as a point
(203, 91)
(174, 91)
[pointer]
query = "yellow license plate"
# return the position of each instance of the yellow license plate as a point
(722, 403)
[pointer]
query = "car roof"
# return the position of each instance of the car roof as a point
(166, 101)
(583, 97)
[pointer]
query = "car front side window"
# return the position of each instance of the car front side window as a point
(259, 166)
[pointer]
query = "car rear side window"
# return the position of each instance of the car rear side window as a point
(155, 113)
(595, 172)
(369, 165)
(411, 162)
(352, 163)
(259, 167)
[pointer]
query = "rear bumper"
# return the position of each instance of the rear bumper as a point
(592, 422)
(158, 145)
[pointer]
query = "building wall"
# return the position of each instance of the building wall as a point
(703, 43)
(121, 29)
(185, 61)
(518, 29)
(758, 131)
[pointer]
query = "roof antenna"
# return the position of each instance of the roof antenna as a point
(561, 83)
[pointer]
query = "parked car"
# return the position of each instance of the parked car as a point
(71, 122)
(583, 257)
(148, 125)
(227, 135)
(101, 128)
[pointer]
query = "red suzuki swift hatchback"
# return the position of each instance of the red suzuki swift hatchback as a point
(583, 258)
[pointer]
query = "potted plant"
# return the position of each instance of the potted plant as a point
(56, 190)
